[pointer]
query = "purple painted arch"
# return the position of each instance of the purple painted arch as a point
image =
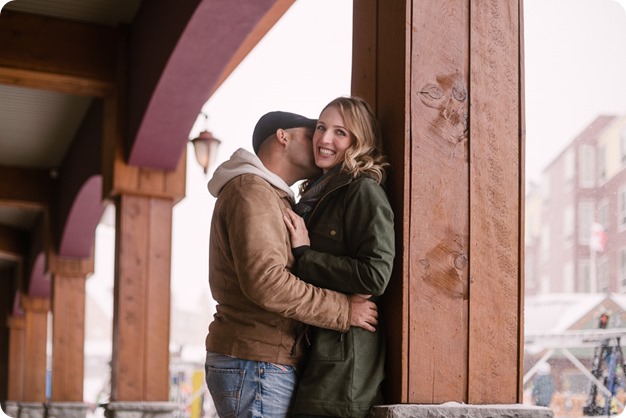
(178, 55)
(78, 235)
(39, 283)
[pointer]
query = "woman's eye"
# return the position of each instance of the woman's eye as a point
(341, 133)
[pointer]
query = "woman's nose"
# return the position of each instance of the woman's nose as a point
(325, 138)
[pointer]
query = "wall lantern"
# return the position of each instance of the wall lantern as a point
(205, 147)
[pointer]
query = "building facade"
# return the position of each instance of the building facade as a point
(576, 215)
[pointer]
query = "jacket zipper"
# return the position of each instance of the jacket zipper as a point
(345, 183)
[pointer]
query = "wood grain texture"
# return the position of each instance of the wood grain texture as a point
(392, 106)
(142, 299)
(494, 202)
(58, 55)
(446, 83)
(522, 212)
(15, 384)
(439, 206)
(158, 300)
(35, 338)
(379, 76)
(121, 178)
(68, 338)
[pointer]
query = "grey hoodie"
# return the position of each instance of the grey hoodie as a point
(244, 162)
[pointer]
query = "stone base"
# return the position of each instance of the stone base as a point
(459, 410)
(139, 409)
(31, 410)
(66, 410)
(11, 409)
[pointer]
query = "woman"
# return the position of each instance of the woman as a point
(350, 223)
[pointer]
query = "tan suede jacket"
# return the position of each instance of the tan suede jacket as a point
(260, 305)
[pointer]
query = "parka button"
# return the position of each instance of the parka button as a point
(333, 232)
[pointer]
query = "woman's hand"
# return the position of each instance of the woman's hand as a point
(296, 228)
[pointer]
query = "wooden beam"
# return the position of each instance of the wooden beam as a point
(55, 54)
(60, 83)
(69, 267)
(121, 178)
(25, 187)
(14, 243)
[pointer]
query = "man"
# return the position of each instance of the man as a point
(257, 337)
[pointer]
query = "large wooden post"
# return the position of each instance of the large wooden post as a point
(15, 365)
(445, 78)
(68, 326)
(142, 299)
(144, 200)
(35, 341)
(15, 386)
(68, 335)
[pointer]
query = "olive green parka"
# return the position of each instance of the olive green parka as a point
(352, 251)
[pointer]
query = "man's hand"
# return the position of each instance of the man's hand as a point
(364, 313)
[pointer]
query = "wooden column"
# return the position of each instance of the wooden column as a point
(445, 78)
(142, 299)
(35, 340)
(15, 389)
(144, 199)
(68, 326)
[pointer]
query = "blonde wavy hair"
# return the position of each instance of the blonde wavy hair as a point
(364, 157)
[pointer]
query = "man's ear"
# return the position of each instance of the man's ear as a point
(282, 136)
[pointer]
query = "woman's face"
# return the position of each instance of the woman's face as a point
(330, 140)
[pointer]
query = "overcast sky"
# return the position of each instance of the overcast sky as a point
(575, 53)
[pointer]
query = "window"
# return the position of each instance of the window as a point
(586, 167)
(568, 277)
(622, 147)
(601, 163)
(570, 169)
(568, 225)
(622, 269)
(603, 213)
(585, 276)
(585, 215)
(621, 208)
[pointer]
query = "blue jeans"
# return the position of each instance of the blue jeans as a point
(249, 389)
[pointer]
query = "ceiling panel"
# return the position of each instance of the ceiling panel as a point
(18, 218)
(37, 125)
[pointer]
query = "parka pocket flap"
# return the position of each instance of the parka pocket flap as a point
(329, 230)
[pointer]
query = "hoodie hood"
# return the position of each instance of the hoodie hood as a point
(244, 162)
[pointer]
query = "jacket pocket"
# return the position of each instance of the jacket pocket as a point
(328, 345)
(329, 230)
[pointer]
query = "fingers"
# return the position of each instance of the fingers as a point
(364, 313)
(288, 223)
(368, 327)
(362, 296)
(296, 219)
